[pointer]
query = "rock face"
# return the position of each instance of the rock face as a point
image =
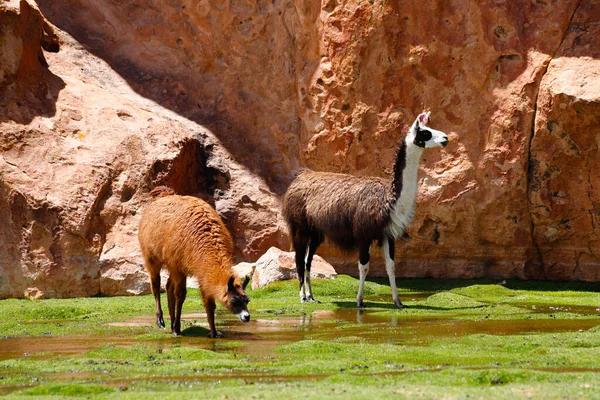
(78, 161)
(277, 265)
(101, 101)
(564, 193)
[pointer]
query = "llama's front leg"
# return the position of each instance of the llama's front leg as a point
(180, 294)
(315, 241)
(210, 306)
(388, 254)
(307, 288)
(155, 281)
(171, 300)
(363, 269)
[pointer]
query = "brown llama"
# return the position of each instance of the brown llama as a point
(353, 212)
(187, 237)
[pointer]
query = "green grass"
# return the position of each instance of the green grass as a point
(455, 339)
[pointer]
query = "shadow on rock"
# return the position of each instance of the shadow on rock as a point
(27, 86)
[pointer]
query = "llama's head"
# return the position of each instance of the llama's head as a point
(424, 136)
(236, 299)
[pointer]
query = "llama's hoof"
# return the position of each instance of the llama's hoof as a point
(176, 334)
(311, 299)
(215, 335)
(360, 304)
(399, 305)
(160, 321)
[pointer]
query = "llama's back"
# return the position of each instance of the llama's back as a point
(184, 232)
(346, 208)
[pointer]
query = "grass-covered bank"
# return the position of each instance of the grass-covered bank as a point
(455, 339)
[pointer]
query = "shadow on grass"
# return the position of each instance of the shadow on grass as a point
(431, 308)
(553, 286)
(195, 331)
(436, 285)
(392, 306)
(433, 285)
(201, 332)
(367, 305)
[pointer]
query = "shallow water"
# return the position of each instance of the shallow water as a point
(261, 336)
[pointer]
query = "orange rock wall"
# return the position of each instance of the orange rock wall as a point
(227, 99)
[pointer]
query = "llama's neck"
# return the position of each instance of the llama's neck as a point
(404, 187)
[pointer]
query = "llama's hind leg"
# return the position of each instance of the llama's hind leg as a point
(154, 272)
(300, 245)
(388, 254)
(364, 256)
(315, 241)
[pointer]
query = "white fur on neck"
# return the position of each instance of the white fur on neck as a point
(403, 210)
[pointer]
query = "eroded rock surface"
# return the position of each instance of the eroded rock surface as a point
(102, 101)
(565, 157)
(77, 164)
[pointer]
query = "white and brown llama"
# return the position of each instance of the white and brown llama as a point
(352, 212)
(186, 236)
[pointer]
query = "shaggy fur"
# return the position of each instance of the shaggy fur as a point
(352, 212)
(187, 237)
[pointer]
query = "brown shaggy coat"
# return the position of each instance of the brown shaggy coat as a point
(354, 211)
(187, 237)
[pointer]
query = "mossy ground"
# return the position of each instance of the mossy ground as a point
(456, 339)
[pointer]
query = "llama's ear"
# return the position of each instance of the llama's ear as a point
(230, 282)
(424, 118)
(245, 282)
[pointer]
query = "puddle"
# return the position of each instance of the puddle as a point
(4, 390)
(48, 346)
(189, 379)
(48, 321)
(404, 297)
(569, 370)
(261, 336)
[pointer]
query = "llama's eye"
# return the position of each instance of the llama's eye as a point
(240, 303)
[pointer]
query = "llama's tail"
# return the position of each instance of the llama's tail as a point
(161, 191)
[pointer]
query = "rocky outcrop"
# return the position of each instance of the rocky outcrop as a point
(102, 101)
(78, 161)
(564, 184)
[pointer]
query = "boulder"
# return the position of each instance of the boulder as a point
(279, 265)
(244, 269)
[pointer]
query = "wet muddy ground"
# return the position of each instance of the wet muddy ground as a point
(440, 334)
(261, 336)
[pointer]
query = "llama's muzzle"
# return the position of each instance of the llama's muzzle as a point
(244, 316)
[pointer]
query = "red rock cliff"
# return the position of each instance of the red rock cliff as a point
(227, 100)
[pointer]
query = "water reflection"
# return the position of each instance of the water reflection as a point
(261, 336)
